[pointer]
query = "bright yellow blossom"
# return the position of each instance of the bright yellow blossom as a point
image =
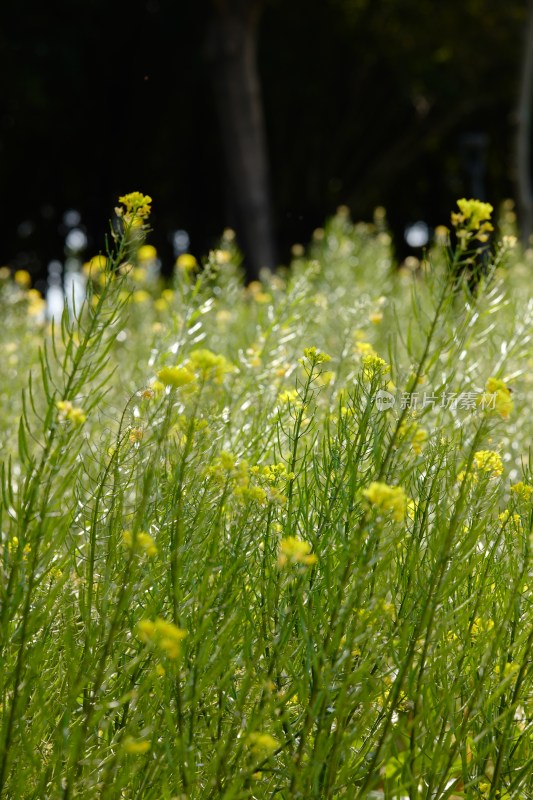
(387, 498)
(164, 635)
(489, 461)
(136, 746)
(413, 433)
(136, 205)
(141, 541)
(186, 262)
(288, 396)
(95, 266)
(473, 219)
(412, 508)
(420, 436)
(210, 365)
(23, 278)
(295, 551)
(373, 365)
(175, 376)
(481, 626)
(364, 349)
(146, 252)
(522, 490)
(498, 397)
(262, 743)
(513, 519)
(69, 412)
(141, 296)
(13, 546)
(136, 435)
(315, 357)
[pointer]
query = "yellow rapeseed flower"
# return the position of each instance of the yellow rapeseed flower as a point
(522, 490)
(23, 278)
(136, 205)
(364, 348)
(146, 252)
(13, 546)
(136, 746)
(498, 397)
(288, 396)
(252, 493)
(480, 625)
(164, 635)
(141, 541)
(489, 461)
(513, 519)
(387, 498)
(472, 220)
(262, 743)
(175, 376)
(136, 435)
(141, 296)
(295, 551)
(210, 365)
(413, 433)
(374, 365)
(474, 211)
(69, 412)
(275, 472)
(36, 303)
(412, 508)
(315, 357)
(186, 262)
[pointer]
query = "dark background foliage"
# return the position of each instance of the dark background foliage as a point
(366, 102)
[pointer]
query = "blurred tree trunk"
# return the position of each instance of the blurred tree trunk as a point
(231, 49)
(523, 133)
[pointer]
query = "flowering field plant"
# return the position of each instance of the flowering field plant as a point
(274, 540)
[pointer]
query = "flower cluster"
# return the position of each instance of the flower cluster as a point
(498, 397)
(209, 365)
(186, 263)
(387, 498)
(374, 366)
(512, 519)
(473, 220)
(522, 490)
(135, 746)
(275, 472)
(262, 744)
(314, 357)
(136, 205)
(295, 551)
(140, 541)
(164, 635)
(71, 413)
(485, 461)
(227, 471)
(175, 377)
(489, 461)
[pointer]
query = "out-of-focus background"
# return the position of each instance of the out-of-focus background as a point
(261, 115)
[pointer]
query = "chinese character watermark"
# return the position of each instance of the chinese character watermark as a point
(447, 400)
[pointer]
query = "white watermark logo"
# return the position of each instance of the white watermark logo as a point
(448, 400)
(384, 400)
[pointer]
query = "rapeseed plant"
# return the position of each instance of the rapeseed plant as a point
(226, 570)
